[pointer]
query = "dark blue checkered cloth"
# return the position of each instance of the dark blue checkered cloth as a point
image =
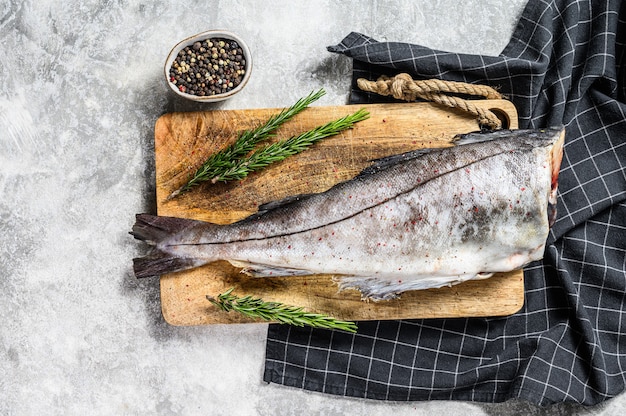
(563, 65)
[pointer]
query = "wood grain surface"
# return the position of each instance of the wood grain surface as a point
(184, 140)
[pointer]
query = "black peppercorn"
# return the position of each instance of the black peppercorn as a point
(211, 66)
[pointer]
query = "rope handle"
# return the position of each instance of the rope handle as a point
(403, 87)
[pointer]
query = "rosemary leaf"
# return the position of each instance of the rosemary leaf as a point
(245, 143)
(280, 150)
(278, 312)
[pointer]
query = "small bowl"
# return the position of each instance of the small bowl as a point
(201, 37)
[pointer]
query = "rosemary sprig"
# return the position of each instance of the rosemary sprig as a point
(280, 150)
(278, 312)
(244, 144)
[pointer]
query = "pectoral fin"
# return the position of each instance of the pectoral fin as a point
(386, 288)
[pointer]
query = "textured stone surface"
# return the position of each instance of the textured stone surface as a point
(81, 87)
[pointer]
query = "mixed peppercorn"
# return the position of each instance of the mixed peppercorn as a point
(209, 67)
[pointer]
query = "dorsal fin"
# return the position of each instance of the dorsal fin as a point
(376, 166)
(272, 205)
(386, 162)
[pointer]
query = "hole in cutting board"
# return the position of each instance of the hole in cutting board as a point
(502, 116)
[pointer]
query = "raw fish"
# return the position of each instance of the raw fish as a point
(423, 219)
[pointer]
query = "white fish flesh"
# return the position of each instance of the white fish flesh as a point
(423, 219)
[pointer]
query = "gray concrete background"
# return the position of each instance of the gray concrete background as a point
(80, 90)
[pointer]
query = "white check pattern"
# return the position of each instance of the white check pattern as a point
(565, 64)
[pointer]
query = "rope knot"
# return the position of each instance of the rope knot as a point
(400, 87)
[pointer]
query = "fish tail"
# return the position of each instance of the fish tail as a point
(154, 230)
(158, 263)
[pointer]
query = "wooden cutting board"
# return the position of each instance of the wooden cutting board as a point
(184, 140)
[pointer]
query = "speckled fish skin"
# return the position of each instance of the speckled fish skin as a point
(420, 220)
